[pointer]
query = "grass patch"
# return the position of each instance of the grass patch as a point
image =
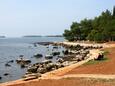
(106, 52)
(91, 62)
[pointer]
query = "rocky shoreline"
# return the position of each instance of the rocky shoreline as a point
(71, 55)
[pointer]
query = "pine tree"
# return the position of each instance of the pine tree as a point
(114, 11)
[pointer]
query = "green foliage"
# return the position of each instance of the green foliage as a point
(68, 35)
(114, 11)
(99, 29)
(91, 62)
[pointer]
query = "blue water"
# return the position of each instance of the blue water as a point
(11, 48)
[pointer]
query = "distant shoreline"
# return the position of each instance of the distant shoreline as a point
(2, 36)
(43, 36)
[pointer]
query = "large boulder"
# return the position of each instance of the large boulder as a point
(100, 56)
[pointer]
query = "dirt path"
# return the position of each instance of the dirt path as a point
(104, 67)
(67, 79)
(105, 45)
(94, 76)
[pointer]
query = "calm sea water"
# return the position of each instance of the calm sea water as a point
(11, 48)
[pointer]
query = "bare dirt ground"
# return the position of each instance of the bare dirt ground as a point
(70, 82)
(107, 67)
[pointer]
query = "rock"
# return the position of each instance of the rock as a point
(6, 74)
(66, 52)
(55, 53)
(7, 65)
(50, 67)
(59, 65)
(31, 76)
(0, 77)
(55, 47)
(49, 56)
(47, 46)
(44, 43)
(23, 61)
(66, 63)
(68, 57)
(35, 45)
(11, 61)
(41, 70)
(38, 55)
(21, 55)
(46, 61)
(100, 56)
(32, 69)
(60, 60)
(23, 66)
(79, 58)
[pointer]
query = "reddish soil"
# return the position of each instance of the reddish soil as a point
(68, 82)
(106, 67)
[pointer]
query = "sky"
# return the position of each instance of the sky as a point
(46, 17)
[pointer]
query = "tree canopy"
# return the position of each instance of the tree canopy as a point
(99, 29)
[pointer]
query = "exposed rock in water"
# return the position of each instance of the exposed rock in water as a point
(7, 65)
(21, 55)
(44, 43)
(0, 77)
(23, 61)
(35, 45)
(23, 66)
(6, 74)
(55, 47)
(11, 61)
(49, 56)
(38, 55)
(46, 61)
(55, 53)
(66, 52)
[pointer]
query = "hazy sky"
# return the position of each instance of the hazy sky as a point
(44, 17)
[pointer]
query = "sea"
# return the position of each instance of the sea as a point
(12, 48)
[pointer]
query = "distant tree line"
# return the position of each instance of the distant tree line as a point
(99, 29)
